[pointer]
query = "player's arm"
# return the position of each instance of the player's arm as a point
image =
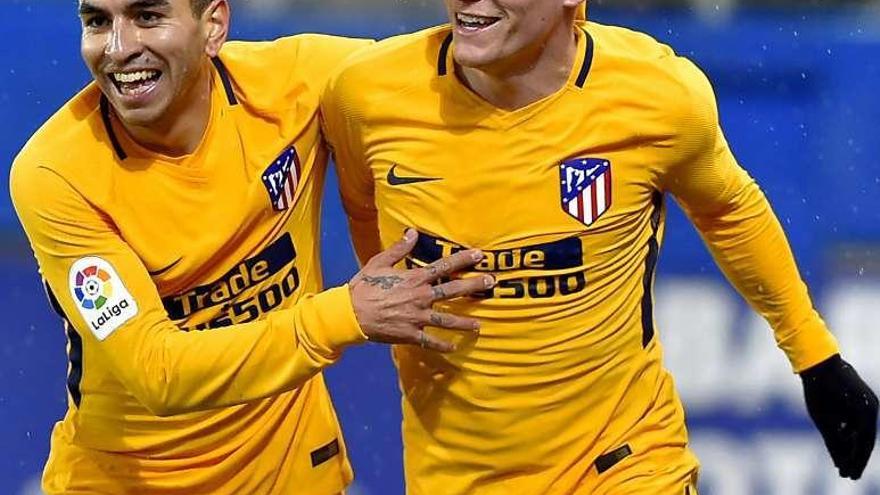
(171, 371)
(736, 222)
(747, 241)
(342, 130)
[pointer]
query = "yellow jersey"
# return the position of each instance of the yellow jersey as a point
(566, 196)
(187, 285)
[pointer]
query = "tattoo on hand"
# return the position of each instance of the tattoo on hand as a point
(436, 320)
(385, 282)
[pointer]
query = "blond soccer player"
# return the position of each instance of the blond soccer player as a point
(552, 144)
(173, 208)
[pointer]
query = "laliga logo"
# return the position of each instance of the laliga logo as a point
(102, 299)
(93, 287)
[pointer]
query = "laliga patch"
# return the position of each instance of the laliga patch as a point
(101, 297)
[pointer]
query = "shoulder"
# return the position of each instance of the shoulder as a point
(267, 73)
(638, 67)
(300, 51)
(419, 51)
(72, 145)
(626, 44)
(389, 67)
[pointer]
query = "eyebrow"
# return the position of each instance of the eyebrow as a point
(148, 4)
(86, 8)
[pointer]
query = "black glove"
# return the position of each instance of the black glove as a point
(845, 411)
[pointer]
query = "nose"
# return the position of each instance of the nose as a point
(123, 44)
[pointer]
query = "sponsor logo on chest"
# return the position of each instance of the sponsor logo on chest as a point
(270, 277)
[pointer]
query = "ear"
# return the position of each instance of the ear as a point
(216, 24)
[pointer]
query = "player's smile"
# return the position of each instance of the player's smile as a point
(470, 23)
(499, 35)
(135, 86)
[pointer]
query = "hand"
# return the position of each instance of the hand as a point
(844, 410)
(393, 306)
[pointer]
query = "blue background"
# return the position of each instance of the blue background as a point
(798, 99)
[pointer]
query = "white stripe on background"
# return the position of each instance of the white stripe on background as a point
(287, 192)
(587, 198)
(600, 194)
(573, 206)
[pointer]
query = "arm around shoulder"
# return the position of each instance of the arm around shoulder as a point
(92, 270)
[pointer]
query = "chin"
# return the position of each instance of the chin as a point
(141, 112)
(139, 117)
(474, 57)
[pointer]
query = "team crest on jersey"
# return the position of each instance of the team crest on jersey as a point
(281, 179)
(586, 188)
(101, 298)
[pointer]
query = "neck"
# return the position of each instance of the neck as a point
(526, 77)
(181, 130)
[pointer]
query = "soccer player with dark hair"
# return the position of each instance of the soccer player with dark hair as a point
(551, 143)
(173, 206)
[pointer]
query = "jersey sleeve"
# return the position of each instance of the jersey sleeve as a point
(737, 223)
(108, 297)
(341, 113)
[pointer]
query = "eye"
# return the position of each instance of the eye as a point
(95, 22)
(147, 17)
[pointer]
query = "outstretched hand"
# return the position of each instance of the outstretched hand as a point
(393, 306)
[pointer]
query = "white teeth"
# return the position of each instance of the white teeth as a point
(130, 77)
(475, 19)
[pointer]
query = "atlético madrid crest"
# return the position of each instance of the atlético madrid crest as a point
(586, 188)
(281, 179)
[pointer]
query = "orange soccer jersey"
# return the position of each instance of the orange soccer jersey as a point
(195, 344)
(566, 196)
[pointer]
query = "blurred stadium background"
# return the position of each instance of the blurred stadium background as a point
(797, 84)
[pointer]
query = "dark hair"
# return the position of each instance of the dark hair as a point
(199, 6)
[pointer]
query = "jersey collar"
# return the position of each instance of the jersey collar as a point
(445, 61)
(108, 124)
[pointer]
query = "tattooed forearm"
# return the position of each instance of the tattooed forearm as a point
(385, 282)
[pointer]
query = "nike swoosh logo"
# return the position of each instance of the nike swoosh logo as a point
(397, 180)
(160, 271)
